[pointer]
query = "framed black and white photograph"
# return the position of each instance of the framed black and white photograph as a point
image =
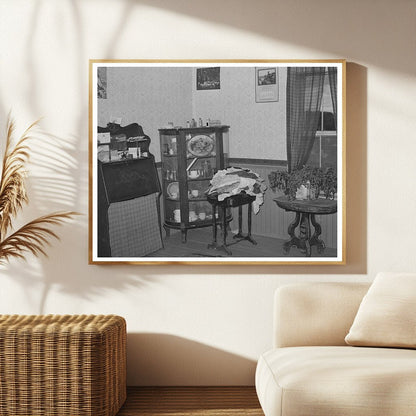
(179, 176)
(208, 78)
(267, 86)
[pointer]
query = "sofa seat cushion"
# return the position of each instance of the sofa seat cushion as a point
(341, 381)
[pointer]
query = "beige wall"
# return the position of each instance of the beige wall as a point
(204, 325)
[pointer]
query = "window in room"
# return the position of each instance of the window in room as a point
(324, 151)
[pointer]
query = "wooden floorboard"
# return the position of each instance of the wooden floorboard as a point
(191, 401)
(198, 240)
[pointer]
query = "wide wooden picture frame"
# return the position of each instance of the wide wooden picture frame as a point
(184, 175)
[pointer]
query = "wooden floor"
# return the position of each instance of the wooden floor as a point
(191, 401)
(198, 240)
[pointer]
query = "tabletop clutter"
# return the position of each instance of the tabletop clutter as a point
(233, 181)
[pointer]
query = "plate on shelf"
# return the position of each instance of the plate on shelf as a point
(200, 145)
(173, 190)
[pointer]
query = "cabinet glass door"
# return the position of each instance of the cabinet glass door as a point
(168, 145)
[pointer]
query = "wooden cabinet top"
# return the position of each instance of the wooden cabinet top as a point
(205, 129)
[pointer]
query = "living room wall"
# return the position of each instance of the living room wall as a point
(203, 325)
(257, 130)
(152, 99)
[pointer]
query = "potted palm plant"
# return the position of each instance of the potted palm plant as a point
(34, 236)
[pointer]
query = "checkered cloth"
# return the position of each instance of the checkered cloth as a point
(134, 227)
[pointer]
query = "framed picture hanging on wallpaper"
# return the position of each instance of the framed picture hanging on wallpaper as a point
(267, 86)
(187, 168)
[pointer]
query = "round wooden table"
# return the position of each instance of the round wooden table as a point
(305, 211)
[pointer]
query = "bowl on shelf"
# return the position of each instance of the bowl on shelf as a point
(173, 190)
(193, 174)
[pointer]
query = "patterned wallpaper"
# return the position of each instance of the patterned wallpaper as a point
(257, 130)
(154, 96)
(149, 96)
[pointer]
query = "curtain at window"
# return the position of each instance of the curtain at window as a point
(332, 75)
(303, 100)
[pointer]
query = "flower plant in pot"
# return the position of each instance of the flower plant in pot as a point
(316, 180)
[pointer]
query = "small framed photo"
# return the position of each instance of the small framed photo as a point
(208, 78)
(267, 85)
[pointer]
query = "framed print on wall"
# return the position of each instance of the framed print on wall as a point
(208, 78)
(267, 86)
(182, 176)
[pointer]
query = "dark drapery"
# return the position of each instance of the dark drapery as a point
(303, 100)
(332, 75)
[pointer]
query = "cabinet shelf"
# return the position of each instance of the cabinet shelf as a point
(199, 179)
(197, 199)
(190, 157)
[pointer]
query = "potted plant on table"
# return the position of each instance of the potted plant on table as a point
(306, 183)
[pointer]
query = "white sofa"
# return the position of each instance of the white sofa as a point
(311, 371)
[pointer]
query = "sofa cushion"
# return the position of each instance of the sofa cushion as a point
(341, 381)
(315, 314)
(387, 314)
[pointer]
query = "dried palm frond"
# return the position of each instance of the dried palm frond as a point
(32, 237)
(12, 184)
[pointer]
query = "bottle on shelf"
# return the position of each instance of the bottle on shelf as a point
(204, 169)
(173, 147)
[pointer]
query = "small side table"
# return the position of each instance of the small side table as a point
(305, 211)
(232, 201)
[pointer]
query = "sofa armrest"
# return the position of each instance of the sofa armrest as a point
(308, 314)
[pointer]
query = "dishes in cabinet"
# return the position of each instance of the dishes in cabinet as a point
(201, 145)
(173, 190)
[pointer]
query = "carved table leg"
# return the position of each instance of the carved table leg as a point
(240, 234)
(223, 222)
(240, 223)
(214, 227)
(249, 237)
(224, 231)
(184, 232)
(291, 231)
(305, 234)
(315, 240)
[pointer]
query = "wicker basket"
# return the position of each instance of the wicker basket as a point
(71, 365)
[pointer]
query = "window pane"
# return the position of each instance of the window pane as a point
(329, 151)
(329, 121)
(315, 153)
(327, 109)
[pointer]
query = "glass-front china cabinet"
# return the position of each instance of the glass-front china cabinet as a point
(190, 157)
